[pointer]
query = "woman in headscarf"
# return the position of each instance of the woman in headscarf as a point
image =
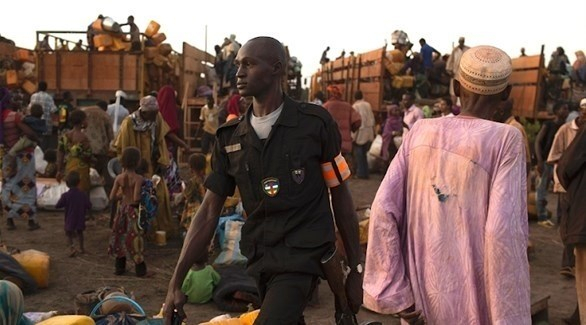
(19, 192)
(146, 129)
(11, 305)
(168, 108)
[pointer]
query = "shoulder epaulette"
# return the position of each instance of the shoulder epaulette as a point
(232, 122)
(315, 110)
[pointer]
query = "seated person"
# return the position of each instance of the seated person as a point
(199, 283)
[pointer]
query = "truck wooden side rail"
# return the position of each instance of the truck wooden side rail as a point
(91, 74)
(527, 80)
(363, 72)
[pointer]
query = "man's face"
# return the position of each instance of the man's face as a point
(563, 112)
(443, 106)
(255, 73)
(407, 101)
(148, 115)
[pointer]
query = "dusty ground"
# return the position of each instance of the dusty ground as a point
(69, 276)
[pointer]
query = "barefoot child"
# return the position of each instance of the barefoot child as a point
(127, 236)
(194, 189)
(76, 204)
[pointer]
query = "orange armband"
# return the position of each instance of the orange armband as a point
(335, 172)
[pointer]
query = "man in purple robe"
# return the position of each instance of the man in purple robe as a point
(448, 228)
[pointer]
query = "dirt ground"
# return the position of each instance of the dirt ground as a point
(70, 276)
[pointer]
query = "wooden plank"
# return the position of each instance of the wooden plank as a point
(375, 55)
(373, 70)
(194, 52)
(524, 77)
(131, 72)
(73, 70)
(105, 71)
(525, 98)
(370, 87)
(526, 62)
(339, 63)
(372, 92)
(339, 75)
(192, 68)
(48, 70)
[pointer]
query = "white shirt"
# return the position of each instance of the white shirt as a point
(263, 125)
(413, 114)
(366, 131)
(122, 113)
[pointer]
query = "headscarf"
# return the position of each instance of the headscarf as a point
(147, 104)
(11, 305)
(234, 105)
(334, 92)
(168, 107)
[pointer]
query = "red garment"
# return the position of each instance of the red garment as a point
(168, 107)
(234, 105)
(345, 116)
(11, 132)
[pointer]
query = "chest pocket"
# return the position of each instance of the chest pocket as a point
(301, 170)
(243, 169)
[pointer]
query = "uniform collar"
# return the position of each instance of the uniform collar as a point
(287, 118)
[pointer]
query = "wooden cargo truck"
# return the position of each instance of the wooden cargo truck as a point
(369, 73)
(363, 72)
(95, 75)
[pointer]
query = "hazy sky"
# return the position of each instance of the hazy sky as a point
(307, 27)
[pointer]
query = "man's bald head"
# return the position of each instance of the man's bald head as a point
(269, 49)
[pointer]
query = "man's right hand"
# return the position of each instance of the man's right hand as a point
(540, 167)
(174, 305)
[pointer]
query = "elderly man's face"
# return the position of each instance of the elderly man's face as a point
(149, 115)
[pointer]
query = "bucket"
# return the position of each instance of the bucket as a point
(29, 86)
(152, 28)
(161, 238)
(103, 40)
(159, 38)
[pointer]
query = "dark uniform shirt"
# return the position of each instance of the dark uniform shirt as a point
(290, 223)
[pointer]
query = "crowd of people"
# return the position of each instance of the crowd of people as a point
(448, 225)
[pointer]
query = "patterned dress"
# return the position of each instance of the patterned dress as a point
(19, 192)
(127, 236)
(78, 158)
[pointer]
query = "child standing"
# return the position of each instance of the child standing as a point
(194, 189)
(127, 235)
(76, 203)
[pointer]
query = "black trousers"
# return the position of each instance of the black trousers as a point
(284, 297)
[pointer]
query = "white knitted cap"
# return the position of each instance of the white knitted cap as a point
(484, 70)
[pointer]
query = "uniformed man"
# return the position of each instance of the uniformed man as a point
(284, 156)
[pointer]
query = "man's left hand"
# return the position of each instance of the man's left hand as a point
(354, 290)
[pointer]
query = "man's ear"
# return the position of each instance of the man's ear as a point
(505, 94)
(456, 88)
(278, 68)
